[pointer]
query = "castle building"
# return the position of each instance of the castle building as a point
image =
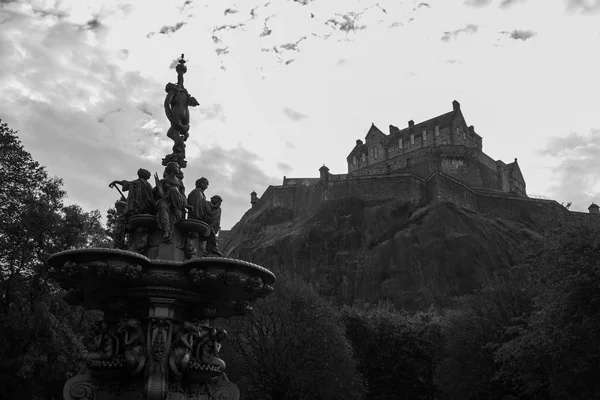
(445, 144)
(437, 160)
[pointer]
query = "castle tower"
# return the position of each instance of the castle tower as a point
(324, 174)
(594, 209)
(253, 198)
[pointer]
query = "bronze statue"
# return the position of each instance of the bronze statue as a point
(197, 199)
(182, 348)
(134, 344)
(171, 203)
(140, 200)
(106, 344)
(208, 346)
(213, 219)
(177, 103)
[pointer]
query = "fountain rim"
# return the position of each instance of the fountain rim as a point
(58, 259)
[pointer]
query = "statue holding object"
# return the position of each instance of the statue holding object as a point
(140, 200)
(171, 201)
(177, 103)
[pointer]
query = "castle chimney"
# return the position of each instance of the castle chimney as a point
(594, 209)
(359, 142)
(411, 123)
(253, 198)
(324, 174)
(471, 129)
(456, 105)
(393, 129)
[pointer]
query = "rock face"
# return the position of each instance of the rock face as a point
(360, 253)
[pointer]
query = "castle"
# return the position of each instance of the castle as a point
(440, 159)
(444, 143)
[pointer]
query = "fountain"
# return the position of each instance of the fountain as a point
(162, 286)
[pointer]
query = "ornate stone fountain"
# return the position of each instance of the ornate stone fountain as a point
(162, 286)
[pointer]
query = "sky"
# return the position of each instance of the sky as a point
(286, 86)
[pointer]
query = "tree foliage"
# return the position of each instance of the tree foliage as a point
(557, 351)
(41, 335)
(293, 347)
(396, 353)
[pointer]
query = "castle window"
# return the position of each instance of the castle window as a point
(412, 138)
(400, 144)
(437, 130)
(465, 135)
(371, 152)
(424, 134)
(354, 160)
(457, 131)
(363, 157)
(408, 164)
(376, 152)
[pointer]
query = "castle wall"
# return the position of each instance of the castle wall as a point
(378, 188)
(276, 196)
(307, 199)
(442, 187)
(546, 213)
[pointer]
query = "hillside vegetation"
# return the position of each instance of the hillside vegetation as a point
(358, 254)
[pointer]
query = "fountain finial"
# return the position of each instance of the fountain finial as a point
(181, 69)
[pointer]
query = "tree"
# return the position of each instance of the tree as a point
(41, 335)
(557, 351)
(396, 353)
(474, 331)
(292, 347)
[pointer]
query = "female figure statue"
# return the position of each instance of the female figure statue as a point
(171, 203)
(182, 348)
(133, 343)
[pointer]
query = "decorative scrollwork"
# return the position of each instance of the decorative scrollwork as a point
(160, 328)
(133, 271)
(71, 269)
(225, 390)
(229, 278)
(254, 284)
(197, 275)
(264, 291)
(80, 387)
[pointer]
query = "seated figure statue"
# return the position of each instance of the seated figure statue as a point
(140, 200)
(207, 211)
(171, 203)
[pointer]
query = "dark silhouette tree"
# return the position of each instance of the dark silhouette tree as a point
(397, 353)
(40, 340)
(292, 347)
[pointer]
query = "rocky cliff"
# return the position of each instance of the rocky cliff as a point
(359, 253)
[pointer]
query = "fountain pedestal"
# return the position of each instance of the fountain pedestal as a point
(158, 338)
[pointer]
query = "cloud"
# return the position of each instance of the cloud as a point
(93, 23)
(294, 115)
(508, 3)
(522, 34)
(575, 173)
(213, 111)
(168, 29)
(583, 6)
(477, 3)
(470, 28)
(285, 168)
(232, 174)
